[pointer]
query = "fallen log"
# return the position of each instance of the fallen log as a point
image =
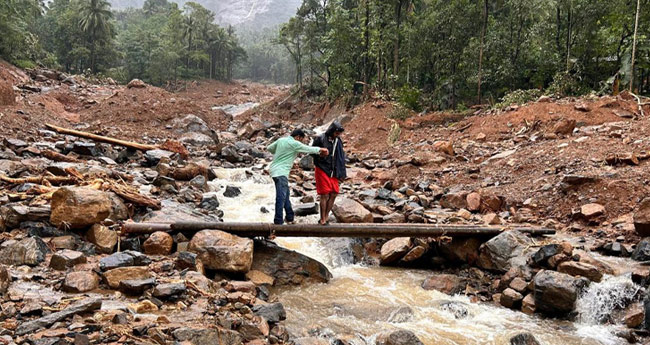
(103, 139)
(133, 196)
(333, 230)
(57, 157)
(43, 180)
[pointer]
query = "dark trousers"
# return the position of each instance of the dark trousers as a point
(282, 200)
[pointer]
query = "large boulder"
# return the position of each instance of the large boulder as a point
(394, 250)
(642, 250)
(192, 124)
(556, 293)
(504, 251)
(222, 251)
(461, 250)
(401, 337)
(347, 210)
(642, 218)
(28, 251)
(288, 267)
(79, 207)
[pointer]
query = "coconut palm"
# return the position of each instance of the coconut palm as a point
(95, 22)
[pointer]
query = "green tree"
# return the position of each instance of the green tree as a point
(96, 23)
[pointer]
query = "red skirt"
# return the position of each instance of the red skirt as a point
(324, 183)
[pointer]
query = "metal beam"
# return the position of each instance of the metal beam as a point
(380, 230)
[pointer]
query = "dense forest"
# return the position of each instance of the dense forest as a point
(450, 54)
(157, 43)
(431, 54)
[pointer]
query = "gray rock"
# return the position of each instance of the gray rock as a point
(124, 259)
(84, 306)
(524, 339)
(197, 139)
(504, 251)
(303, 210)
(642, 250)
(170, 290)
(136, 286)
(65, 259)
(154, 156)
(288, 267)
(556, 293)
(232, 192)
(400, 337)
(307, 162)
(546, 252)
(272, 312)
(28, 251)
(85, 149)
(209, 201)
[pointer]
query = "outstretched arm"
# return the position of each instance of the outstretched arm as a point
(272, 147)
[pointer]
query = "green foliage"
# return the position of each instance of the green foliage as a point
(25, 64)
(435, 46)
(518, 97)
(564, 84)
(399, 112)
(409, 97)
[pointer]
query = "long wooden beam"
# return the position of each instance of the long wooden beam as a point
(103, 139)
(333, 230)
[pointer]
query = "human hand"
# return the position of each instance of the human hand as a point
(324, 151)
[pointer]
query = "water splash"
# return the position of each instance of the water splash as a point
(600, 299)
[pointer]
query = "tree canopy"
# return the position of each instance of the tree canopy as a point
(444, 49)
(157, 43)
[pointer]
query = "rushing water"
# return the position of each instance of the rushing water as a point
(360, 302)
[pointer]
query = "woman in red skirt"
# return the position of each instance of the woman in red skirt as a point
(330, 169)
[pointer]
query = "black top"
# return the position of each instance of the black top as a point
(334, 163)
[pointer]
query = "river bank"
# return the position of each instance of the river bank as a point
(69, 276)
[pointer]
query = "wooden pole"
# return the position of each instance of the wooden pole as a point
(103, 139)
(333, 230)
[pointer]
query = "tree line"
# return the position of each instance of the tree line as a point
(456, 53)
(157, 43)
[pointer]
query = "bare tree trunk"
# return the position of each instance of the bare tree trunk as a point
(398, 19)
(636, 27)
(366, 56)
(480, 54)
(568, 37)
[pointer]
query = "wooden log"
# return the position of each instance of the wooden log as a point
(57, 157)
(103, 139)
(134, 197)
(333, 230)
(44, 180)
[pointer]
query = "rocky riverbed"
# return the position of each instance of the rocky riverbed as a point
(69, 275)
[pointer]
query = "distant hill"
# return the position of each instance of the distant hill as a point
(243, 13)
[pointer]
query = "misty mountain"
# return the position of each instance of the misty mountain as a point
(242, 13)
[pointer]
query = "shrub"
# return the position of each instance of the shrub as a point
(518, 97)
(409, 97)
(400, 112)
(25, 64)
(566, 84)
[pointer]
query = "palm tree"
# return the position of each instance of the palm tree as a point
(95, 22)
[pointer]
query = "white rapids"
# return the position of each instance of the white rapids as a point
(360, 301)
